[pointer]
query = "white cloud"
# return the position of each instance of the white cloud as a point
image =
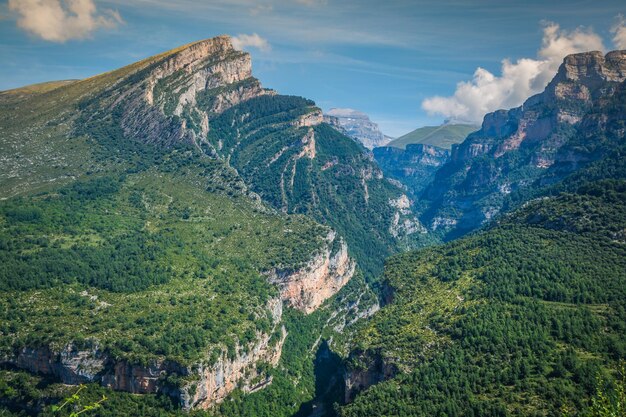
(60, 21)
(519, 80)
(619, 32)
(243, 41)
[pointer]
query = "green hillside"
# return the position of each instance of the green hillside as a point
(151, 247)
(525, 319)
(443, 136)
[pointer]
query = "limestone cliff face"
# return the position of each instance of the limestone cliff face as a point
(174, 95)
(356, 125)
(218, 380)
(364, 370)
(514, 148)
(308, 287)
(209, 383)
(414, 166)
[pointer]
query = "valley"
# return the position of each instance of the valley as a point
(181, 240)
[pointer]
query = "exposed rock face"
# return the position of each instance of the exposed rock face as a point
(307, 288)
(371, 369)
(172, 98)
(414, 166)
(515, 148)
(218, 380)
(211, 382)
(404, 223)
(357, 125)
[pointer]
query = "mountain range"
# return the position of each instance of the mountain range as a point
(176, 230)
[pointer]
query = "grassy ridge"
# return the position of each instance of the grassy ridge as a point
(441, 136)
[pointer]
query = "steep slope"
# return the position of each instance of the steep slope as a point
(149, 238)
(443, 136)
(414, 166)
(526, 148)
(291, 159)
(510, 321)
(358, 126)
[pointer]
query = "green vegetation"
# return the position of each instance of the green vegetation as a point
(443, 136)
(517, 320)
(337, 187)
(125, 257)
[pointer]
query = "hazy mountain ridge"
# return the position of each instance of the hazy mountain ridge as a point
(443, 136)
(358, 126)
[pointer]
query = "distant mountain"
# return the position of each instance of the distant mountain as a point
(517, 153)
(414, 166)
(443, 136)
(358, 126)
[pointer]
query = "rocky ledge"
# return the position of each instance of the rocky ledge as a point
(308, 287)
(205, 384)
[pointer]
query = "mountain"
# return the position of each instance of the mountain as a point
(517, 153)
(172, 226)
(443, 136)
(415, 158)
(512, 321)
(358, 126)
(526, 316)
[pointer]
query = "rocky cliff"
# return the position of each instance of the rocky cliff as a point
(514, 148)
(414, 166)
(307, 288)
(364, 370)
(203, 384)
(358, 126)
(170, 98)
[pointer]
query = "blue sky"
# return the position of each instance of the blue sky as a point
(381, 57)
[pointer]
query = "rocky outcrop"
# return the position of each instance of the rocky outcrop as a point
(364, 370)
(218, 380)
(321, 278)
(174, 95)
(204, 384)
(404, 223)
(356, 125)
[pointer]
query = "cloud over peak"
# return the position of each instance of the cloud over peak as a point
(619, 32)
(60, 21)
(243, 41)
(519, 80)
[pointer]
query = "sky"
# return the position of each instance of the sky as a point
(405, 63)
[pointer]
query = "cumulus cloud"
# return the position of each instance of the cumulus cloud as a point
(243, 41)
(619, 32)
(60, 21)
(518, 80)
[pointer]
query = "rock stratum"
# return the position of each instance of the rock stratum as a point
(211, 382)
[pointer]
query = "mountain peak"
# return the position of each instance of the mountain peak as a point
(593, 67)
(356, 125)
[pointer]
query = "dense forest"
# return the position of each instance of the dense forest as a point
(526, 318)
